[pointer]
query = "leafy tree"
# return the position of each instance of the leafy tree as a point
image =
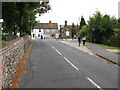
(117, 32)
(101, 27)
(21, 15)
(119, 23)
(73, 30)
(9, 15)
(36, 7)
(82, 22)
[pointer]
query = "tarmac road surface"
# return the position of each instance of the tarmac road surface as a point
(53, 64)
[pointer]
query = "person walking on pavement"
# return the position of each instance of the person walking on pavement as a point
(84, 39)
(79, 40)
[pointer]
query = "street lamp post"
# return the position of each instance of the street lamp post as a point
(93, 39)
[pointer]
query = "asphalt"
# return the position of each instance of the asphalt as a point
(100, 51)
(48, 68)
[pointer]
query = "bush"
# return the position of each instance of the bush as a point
(9, 37)
(2, 43)
(112, 42)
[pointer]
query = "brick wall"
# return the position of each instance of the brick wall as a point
(10, 56)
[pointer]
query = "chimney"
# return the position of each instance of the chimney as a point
(65, 23)
(49, 21)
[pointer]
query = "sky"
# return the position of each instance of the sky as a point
(72, 10)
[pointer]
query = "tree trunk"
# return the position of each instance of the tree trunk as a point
(14, 30)
(21, 25)
(21, 7)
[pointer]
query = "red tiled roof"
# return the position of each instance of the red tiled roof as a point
(47, 26)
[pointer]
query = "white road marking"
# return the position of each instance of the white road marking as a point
(52, 47)
(71, 63)
(58, 52)
(94, 83)
(55, 50)
(49, 45)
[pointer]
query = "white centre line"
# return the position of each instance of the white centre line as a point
(52, 47)
(55, 50)
(94, 83)
(58, 52)
(71, 63)
(49, 45)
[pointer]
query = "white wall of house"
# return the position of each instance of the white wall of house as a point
(37, 33)
(46, 33)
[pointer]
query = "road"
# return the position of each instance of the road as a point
(53, 64)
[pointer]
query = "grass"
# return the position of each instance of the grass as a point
(108, 47)
(2, 43)
(117, 52)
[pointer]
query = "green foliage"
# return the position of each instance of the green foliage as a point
(107, 47)
(82, 22)
(83, 32)
(20, 16)
(74, 31)
(116, 32)
(9, 16)
(101, 27)
(2, 43)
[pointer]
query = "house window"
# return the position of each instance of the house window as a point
(47, 30)
(53, 30)
(38, 35)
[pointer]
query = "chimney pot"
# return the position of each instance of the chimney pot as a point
(65, 23)
(49, 21)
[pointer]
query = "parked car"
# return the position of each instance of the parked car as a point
(74, 37)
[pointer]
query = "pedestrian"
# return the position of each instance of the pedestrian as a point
(84, 40)
(79, 40)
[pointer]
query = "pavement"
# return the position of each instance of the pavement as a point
(93, 49)
(52, 64)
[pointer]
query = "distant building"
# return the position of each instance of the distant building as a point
(45, 30)
(66, 30)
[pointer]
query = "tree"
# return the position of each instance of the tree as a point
(36, 7)
(21, 15)
(9, 14)
(74, 31)
(101, 27)
(82, 22)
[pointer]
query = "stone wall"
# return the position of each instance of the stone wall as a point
(10, 56)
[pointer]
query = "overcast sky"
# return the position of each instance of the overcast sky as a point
(72, 10)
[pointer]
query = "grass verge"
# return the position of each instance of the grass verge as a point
(108, 47)
(2, 43)
(117, 52)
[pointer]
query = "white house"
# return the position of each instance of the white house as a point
(45, 30)
(37, 33)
